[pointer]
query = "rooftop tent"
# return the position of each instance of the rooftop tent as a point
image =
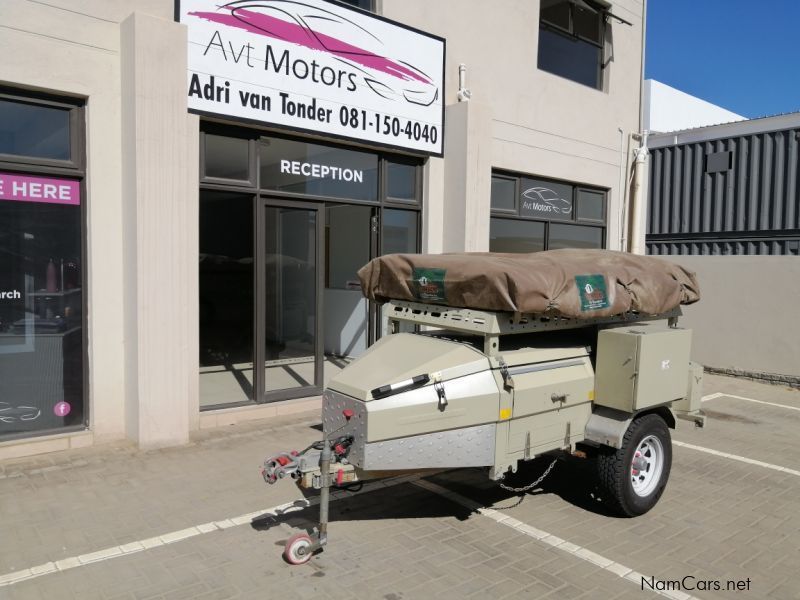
(569, 282)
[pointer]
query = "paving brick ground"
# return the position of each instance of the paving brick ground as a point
(719, 519)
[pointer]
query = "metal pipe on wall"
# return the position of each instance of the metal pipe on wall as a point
(637, 198)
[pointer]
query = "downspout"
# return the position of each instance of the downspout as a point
(623, 227)
(640, 158)
(637, 198)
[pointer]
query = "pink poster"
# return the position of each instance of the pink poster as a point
(24, 188)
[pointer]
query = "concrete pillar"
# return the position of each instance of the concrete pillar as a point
(160, 190)
(467, 177)
(433, 206)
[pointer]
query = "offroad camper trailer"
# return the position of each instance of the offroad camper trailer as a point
(505, 358)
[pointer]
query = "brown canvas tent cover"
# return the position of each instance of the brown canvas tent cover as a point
(571, 282)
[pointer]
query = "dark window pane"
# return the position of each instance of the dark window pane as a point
(399, 231)
(41, 335)
(398, 236)
(291, 298)
(401, 181)
(318, 170)
(509, 235)
(347, 230)
(30, 130)
(574, 236)
(503, 193)
(556, 12)
(226, 298)
(587, 24)
(365, 4)
(569, 57)
(590, 205)
(227, 157)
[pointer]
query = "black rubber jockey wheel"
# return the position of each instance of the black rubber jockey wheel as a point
(633, 478)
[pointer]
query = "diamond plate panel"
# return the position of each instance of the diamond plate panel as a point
(465, 447)
(334, 423)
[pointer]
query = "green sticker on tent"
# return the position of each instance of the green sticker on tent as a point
(593, 292)
(429, 284)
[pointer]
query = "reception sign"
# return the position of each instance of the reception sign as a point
(316, 66)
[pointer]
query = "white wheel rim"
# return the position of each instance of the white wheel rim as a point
(299, 549)
(647, 466)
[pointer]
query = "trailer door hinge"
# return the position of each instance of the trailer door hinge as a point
(508, 381)
(439, 387)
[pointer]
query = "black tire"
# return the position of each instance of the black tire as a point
(616, 469)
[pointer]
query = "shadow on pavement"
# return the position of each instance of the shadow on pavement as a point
(402, 501)
(572, 480)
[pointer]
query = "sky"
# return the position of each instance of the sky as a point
(741, 55)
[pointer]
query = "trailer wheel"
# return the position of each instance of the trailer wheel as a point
(298, 549)
(633, 478)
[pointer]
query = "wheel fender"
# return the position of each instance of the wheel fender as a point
(607, 426)
(662, 411)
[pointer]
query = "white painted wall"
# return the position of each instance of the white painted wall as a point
(142, 168)
(80, 57)
(744, 320)
(534, 122)
(668, 109)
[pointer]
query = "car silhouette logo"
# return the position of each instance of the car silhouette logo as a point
(12, 414)
(550, 198)
(326, 31)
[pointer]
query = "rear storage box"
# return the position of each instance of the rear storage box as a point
(639, 367)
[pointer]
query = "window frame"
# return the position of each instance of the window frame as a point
(582, 188)
(77, 134)
(602, 13)
(75, 168)
(371, 5)
(506, 211)
(252, 156)
(496, 213)
(259, 194)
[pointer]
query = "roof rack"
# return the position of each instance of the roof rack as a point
(492, 324)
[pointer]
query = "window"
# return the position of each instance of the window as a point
(42, 333)
(227, 158)
(285, 225)
(317, 170)
(531, 214)
(571, 37)
(362, 4)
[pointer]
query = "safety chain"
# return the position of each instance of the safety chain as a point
(530, 486)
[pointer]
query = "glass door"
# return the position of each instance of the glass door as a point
(289, 284)
(399, 234)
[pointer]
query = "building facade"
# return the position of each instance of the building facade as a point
(187, 190)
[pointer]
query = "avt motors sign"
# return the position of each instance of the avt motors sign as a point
(316, 66)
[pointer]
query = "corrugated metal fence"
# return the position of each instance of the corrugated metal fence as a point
(738, 195)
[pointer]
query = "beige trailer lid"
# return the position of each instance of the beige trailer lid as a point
(571, 282)
(401, 356)
(528, 356)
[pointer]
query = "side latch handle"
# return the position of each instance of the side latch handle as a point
(439, 387)
(508, 381)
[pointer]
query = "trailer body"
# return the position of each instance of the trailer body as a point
(507, 402)
(476, 388)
